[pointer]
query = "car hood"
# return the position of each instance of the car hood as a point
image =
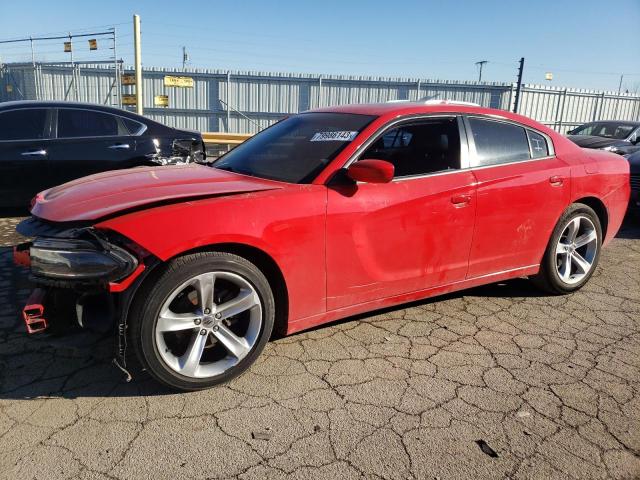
(108, 193)
(590, 141)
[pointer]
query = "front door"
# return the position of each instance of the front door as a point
(407, 235)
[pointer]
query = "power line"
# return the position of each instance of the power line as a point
(69, 36)
(78, 30)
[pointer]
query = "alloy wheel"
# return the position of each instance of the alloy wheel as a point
(576, 250)
(208, 324)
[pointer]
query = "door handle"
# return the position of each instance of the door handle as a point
(34, 153)
(556, 181)
(120, 146)
(461, 200)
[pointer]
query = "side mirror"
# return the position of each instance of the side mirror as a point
(570, 132)
(371, 171)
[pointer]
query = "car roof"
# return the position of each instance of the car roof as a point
(61, 104)
(93, 106)
(391, 109)
(614, 122)
(52, 103)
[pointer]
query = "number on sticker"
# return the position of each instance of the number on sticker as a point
(338, 136)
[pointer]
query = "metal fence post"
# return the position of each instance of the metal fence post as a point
(597, 110)
(564, 102)
(228, 101)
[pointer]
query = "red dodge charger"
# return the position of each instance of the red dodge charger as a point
(325, 214)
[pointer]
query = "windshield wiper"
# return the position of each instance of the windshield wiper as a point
(227, 168)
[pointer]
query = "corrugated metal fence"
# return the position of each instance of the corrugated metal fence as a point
(250, 101)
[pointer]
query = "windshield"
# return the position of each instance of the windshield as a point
(619, 131)
(296, 149)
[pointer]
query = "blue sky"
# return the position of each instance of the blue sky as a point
(586, 44)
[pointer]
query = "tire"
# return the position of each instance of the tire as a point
(180, 292)
(553, 277)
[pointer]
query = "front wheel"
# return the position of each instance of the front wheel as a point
(203, 321)
(573, 251)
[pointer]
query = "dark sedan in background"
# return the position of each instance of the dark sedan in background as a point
(613, 135)
(43, 144)
(634, 180)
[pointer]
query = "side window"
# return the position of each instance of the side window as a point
(25, 124)
(86, 123)
(498, 142)
(419, 148)
(539, 147)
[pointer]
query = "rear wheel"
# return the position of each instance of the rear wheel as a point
(203, 321)
(573, 251)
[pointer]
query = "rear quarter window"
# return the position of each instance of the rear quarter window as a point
(133, 127)
(539, 146)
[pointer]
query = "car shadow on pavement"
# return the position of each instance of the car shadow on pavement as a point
(515, 288)
(80, 364)
(630, 229)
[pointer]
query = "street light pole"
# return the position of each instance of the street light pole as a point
(481, 64)
(516, 103)
(620, 85)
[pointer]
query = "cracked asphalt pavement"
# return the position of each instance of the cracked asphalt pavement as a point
(551, 385)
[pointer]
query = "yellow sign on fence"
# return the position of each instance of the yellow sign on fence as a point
(128, 99)
(170, 81)
(93, 44)
(161, 101)
(128, 79)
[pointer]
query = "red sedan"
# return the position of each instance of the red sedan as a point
(324, 215)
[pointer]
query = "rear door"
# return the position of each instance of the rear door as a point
(89, 141)
(407, 235)
(522, 190)
(24, 147)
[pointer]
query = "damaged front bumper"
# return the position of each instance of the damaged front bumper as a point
(83, 276)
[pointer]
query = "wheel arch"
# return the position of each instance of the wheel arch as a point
(600, 208)
(267, 265)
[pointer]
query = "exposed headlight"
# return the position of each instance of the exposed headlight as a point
(74, 259)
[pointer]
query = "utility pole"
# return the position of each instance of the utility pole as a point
(516, 103)
(185, 58)
(138, 63)
(33, 56)
(481, 64)
(620, 85)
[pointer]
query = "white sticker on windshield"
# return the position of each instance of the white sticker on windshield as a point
(340, 136)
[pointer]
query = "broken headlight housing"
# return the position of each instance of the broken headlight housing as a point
(79, 259)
